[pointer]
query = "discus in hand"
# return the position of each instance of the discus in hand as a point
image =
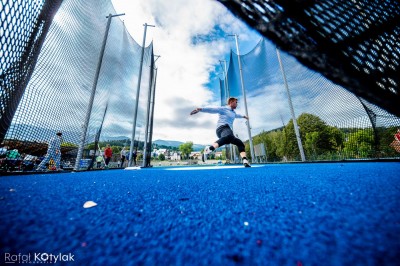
(195, 111)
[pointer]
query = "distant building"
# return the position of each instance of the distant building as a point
(175, 156)
(218, 155)
(195, 155)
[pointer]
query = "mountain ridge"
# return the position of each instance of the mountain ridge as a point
(175, 143)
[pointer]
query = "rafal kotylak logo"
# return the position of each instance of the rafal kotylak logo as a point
(37, 257)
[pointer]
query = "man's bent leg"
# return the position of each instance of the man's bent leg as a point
(242, 151)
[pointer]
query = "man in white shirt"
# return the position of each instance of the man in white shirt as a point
(224, 131)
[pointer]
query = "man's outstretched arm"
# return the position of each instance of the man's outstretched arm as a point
(210, 110)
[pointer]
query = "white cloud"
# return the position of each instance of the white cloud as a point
(190, 37)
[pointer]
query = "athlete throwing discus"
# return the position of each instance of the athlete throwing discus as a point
(224, 131)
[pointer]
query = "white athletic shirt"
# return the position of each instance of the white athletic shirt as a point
(226, 115)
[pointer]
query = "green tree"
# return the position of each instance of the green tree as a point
(274, 142)
(115, 149)
(186, 149)
(69, 144)
(322, 139)
(291, 148)
(385, 138)
(311, 144)
(336, 138)
(161, 157)
(279, 142)
(311, 123)
(360, 144)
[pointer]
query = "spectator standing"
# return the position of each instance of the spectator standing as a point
(397, 135)
(396, 142)
(134, 155)
(123, 156)
(107, 155)
(99, 160)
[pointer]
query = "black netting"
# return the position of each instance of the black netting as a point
(353, 43)
(334, 123)
(24, 25)
(50, 51)
(55, 95)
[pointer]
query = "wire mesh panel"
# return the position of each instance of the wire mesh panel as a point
(58, 93)
(353, 43)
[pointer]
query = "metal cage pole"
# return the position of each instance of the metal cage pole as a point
(244, 98)
(153, 100)
(146, 160)
(137, 96)
(93, 93)
(296, 127)
(227, 93)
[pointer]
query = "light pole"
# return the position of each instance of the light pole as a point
(138, 93)
(244, 97)
(93, 93)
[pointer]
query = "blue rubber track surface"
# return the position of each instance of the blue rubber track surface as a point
(277, 214)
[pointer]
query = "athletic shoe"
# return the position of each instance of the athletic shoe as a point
(205, 153)
(207, 150)
(246, 163)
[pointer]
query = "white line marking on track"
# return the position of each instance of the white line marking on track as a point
(132, 168)
(211, 167)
